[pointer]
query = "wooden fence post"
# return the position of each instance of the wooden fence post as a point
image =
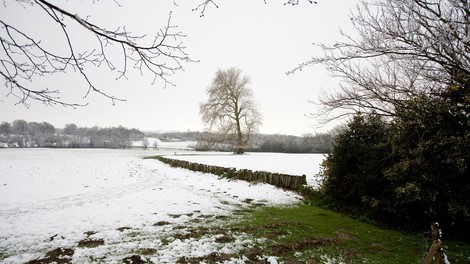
(436, 252)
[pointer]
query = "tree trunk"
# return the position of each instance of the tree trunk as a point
(239, 147)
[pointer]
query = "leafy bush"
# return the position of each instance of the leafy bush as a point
(430, 175)
(353, 172)
(410, 172)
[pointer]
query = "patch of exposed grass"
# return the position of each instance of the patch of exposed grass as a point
(58, 255)
(213, 257)
(90, 243)
(308, 233)
(161, 223)
(124, 228)
(135, 259)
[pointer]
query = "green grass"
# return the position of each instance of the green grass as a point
(308, 233)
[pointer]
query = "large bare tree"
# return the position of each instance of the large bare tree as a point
(401, 50)
(230, 110)
(24, 57)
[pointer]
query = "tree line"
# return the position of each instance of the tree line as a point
(24, 134)
(307, 143)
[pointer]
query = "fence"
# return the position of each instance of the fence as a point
(291, 182)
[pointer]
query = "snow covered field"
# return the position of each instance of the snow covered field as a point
(107, 205)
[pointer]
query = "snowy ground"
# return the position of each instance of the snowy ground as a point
(107, 205)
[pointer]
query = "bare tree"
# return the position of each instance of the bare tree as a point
(405, 49)
(230, 110)
(145, 143)
(25, 58)
(155, 144)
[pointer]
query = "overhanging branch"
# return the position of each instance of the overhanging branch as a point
(25, 59)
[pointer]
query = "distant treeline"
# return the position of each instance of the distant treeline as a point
(308, 143)
(319, 143)
(24, 134)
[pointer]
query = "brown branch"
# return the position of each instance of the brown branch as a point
(27, 59)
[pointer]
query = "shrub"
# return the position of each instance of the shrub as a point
(353, 172)
(412, 171)
(430, 177)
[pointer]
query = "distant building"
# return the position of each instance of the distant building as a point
(3, 145)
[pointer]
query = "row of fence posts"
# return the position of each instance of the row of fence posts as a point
(291, 182)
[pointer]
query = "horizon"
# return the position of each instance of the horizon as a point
(157, 131)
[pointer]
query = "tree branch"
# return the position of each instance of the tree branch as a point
(26, 59)
(405, 49)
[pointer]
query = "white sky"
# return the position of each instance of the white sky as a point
(263, 40)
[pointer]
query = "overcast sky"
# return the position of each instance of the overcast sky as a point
(263, 40)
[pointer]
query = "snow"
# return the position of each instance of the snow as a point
(52, 198)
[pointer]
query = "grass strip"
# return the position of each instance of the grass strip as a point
(306, 233)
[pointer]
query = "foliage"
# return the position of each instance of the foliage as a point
(432, 163)
(353, 171)
(410, 172)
